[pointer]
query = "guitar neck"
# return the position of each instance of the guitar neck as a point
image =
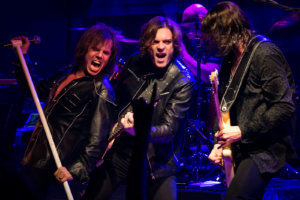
(218, 112)
(118, 128)
(116, 131)
(222, 118)
(216, 99)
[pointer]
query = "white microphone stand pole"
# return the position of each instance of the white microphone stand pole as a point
(17, 45)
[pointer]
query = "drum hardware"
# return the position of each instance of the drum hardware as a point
(118, 68)
(195, 165)
(195, 159)
(212, 177)
(199, 127)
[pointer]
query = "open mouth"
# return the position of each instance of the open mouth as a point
(161, 55)
(96, 63)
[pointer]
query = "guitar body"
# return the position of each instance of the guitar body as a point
(227, 154)
(223, 120)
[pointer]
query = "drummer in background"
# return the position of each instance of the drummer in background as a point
(194, 56)
(192, 50)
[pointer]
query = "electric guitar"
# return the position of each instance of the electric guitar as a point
(118, 127)
(223, 119)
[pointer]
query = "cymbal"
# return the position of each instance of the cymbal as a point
(127, 40)
(79, 29)
(121, 37)
(287, 27)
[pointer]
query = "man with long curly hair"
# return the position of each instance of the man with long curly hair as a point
(80, 104)
(157, 63)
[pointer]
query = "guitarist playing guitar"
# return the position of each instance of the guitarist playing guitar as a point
(257, 88)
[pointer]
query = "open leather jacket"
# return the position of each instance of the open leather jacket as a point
(79, 118)
(175, 87)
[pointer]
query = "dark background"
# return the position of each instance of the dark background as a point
(54, 21)
(57, 22)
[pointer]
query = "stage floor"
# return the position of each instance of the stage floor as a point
(278, 189)
(284, 187)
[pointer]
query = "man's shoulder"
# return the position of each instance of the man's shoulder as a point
(267, 47)
(183, 70)
(104, 88)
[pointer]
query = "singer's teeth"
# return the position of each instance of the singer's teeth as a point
(96, 63)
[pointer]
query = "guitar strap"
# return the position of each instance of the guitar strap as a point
(235, 84)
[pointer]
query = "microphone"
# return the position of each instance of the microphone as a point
(198, 37)
(35, 40)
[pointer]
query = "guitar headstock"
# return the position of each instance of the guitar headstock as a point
(214, 78)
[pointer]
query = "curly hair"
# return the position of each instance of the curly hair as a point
(96, 34)
(150, 29)
(224, 27)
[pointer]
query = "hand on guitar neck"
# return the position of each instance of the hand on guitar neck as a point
(225, 137)
(128, 123)
(228, 135)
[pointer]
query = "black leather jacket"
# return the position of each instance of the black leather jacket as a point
(79, 119)
(175, 87)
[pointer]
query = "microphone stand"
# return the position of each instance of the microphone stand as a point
(197, 155)
(17, 45)
(199, 55)
(199, 82)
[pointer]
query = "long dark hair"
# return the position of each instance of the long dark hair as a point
(149, 31)
(96, 34)
(224, 27)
